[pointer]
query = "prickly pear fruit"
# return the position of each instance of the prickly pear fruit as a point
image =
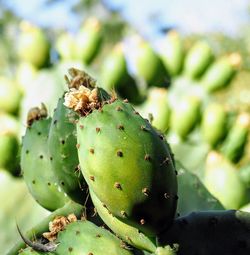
(115, 76)
(244, 174)
(65, 46)
(10, 96)
(214, 232)
(33, 45)
(220, 72)
(85, 238)
(197, 59)
(214, 124)
(234, 145)
(116, 145)
(153, 73)
(172, 53)
(63, 153)
(36, 162)
(88, 41)
(156, 107)
(223, 182)
(128, 233)
(185, 116)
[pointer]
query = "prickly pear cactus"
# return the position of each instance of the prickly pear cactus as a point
(124, 160)
(36, 162)
(210, 232)
(63, 153)
(85, 238)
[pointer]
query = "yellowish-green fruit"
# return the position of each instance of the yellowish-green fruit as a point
(148, 65)
(25, 74)
(197, 60)
(10, 96)
(220, 72)
(185, 115)
(214, 123)
(157, 109)
(234, 145)
(222, 180)
(172, 54)
(33, 45)
(88, 41)
(65, 46)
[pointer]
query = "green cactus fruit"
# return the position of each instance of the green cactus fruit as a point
(234, 145)
(244, 174)
(33, 45)
(222, 180)
(197, 59)
(193, 195)
(10, 96)
(185, 116)
(157, 109)
(116, 146)
(128, 233)
(36, 162)
(65, 46)
(114, 75)
(172, 53)
(88, 41)
(85, 238)
(25, 74)
(149, 66)
(220, 72)
(63, 153)
(214, 124)
(210, 232)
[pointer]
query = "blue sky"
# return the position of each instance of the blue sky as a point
(146, 15)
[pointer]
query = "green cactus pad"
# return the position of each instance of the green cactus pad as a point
(85, 238)
(63, 153)
(210, 232)
(30, 251)
(222, 180)
(36, 166)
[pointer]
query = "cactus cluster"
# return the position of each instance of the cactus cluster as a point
(111, 179)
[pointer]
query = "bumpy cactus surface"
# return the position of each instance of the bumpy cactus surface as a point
(36, 162)
(124, 160)
(63, 153)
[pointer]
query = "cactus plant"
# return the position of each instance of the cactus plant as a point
(63, 153)
(38, 174)
(105, 153)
